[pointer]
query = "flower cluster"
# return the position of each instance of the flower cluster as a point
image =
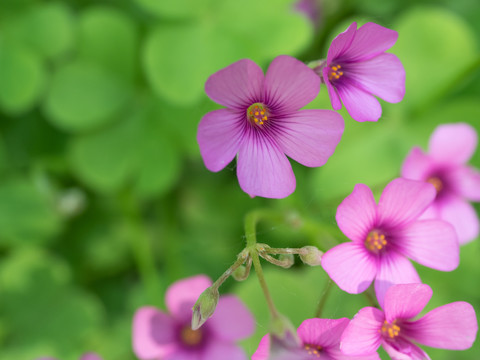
(423, 216)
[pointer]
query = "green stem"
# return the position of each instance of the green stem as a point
(241, 258)
(251, 220)
(142, 251)
(258, 269)
(323, 300)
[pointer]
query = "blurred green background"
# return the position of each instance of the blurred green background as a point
(104, 199)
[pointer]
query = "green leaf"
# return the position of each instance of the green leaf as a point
(179, 58)
(49, 29)
(25, 215)
(109, 39)
(136, 149)
(22, 78)
(174, 9)
(436, 47)
(105, 159)
(157, 157)
(82, 97)
(40, 305)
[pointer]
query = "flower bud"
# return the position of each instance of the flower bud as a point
(312, 256)
(287, 259)
(283, 333)
(204, 307)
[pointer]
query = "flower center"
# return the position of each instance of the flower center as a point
(435, 181)
(191, 337)
(335, 72)
(390, 330)
(375, 241)
(258, 113)
(313, 349)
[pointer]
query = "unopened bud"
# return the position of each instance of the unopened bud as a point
(287, 259)
(240, 273)
(283, 332)
(312, 256)
(204, 307)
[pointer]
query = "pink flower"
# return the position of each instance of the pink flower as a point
(320, 339)
(357, 68)
(157, 335)
(261, 124)
(452, 326)
(444, 166)
(385, 235)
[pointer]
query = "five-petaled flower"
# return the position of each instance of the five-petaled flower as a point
(157, 335)
(385, 235)
(444, 166)
(262, 124)
(319, 339)
(452, 326)
(357, 68)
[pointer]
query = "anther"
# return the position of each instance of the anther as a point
(257, 113)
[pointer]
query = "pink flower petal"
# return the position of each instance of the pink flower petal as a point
(462, 216)
(231, 320)
(289, 84)
(405, 301)
(417, 165)
(362, 335)
(153, 334)
(310, 136)
(382, 76)
(393, 269)
(90, 356)
(332, 92)
(341, 43)
(218, 350)
(220, 135)
(263, 169)
(360, 105)
(351, 266)
(182, 354)
(370, 40)
(467, 182)
(336, 354)
(237, 86)
(432, 243)
(453, 326)
(402, 349)
(182, 295)
(322, 332)
(263, 349)
(453, 143)
(357, 214)
(403, 201)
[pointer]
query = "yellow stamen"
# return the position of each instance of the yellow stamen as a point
(375, 241)
(392, 330)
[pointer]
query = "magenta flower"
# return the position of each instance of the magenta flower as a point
(157, 335)
(452, 326)
(357, 68)
(444, 166)
(261, 124)
(385, 235)
(320, 339)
